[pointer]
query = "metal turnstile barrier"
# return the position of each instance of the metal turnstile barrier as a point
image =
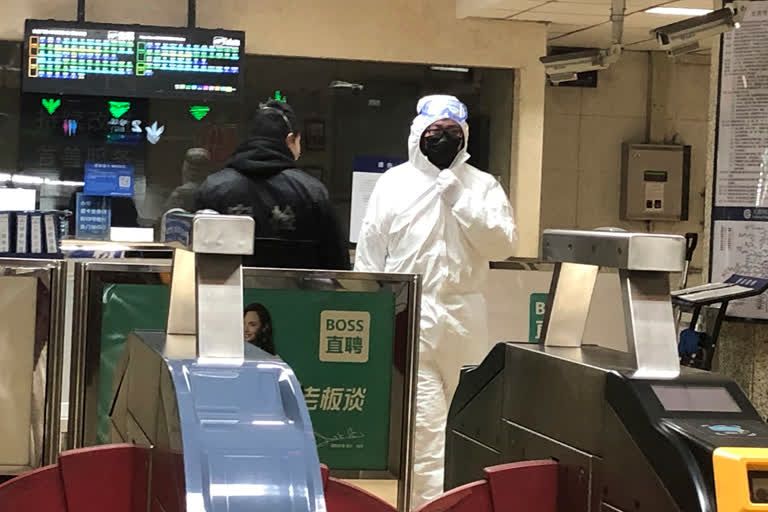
(32, 295)
(630, 430)
(206, 421)
(137, 293)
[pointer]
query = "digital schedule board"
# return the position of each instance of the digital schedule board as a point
(63, 57)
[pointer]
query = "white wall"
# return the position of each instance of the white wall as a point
(585, 128)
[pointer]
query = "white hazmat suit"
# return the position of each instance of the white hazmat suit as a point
(445, 225)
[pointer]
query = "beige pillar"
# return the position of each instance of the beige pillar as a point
(527, 148)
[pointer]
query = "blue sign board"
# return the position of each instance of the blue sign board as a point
(93, 217)
(108, 179)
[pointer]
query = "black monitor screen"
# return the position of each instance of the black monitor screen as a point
(132, 60)
(695, 398)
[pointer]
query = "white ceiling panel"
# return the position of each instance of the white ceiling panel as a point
(592, 2)
(582, 22)
(642, 5)
(473, 8)
(510, 5)
(643, 19)
(473, 12)
(601, 10)
(558, 18)
(600, 37)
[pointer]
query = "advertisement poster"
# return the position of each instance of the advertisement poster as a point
(339, 344)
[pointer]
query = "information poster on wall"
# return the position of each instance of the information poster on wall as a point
(740, 206)
(368, 170)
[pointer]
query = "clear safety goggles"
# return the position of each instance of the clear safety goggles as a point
(440, 108)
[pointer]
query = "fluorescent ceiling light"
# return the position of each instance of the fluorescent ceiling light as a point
(678, 11)
(449, 68)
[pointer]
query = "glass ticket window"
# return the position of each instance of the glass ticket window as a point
(349, 112)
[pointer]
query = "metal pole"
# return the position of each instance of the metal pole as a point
(191, 13)
(411, 380)
(52, 432)
(75, 424)
(81, 10)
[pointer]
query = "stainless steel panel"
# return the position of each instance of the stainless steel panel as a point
(31, 342)
(644, 262)
(650, 324)
(578, 470)
(563, 394)
(92, 276)
(86, 337)
(219, 325)
(596, 358)
(182, 302)
(21, 381)
(632, 251)
(78, 359)
(54, 383)
(624, 462)
(222, 234)
(570, 298)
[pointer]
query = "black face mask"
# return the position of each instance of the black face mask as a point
(441, 150)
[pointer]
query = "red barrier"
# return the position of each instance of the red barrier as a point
(114, 478)
(103, 478)
(343, 497)
(35, 491)
(518, 487)
(95, 479)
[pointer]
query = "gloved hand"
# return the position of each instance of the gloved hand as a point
(449, 186)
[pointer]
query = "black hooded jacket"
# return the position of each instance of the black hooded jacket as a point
(295, 223)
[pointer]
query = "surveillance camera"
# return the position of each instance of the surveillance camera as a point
(566, 66)
(686, 36)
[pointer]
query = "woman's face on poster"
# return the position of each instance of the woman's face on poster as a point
(251, 325)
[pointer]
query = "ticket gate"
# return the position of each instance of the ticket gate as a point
(203, 421)
(631, 430)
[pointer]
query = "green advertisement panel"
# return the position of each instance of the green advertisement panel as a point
(538, 306)
(338, 343)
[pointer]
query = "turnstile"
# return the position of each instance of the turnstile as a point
(226, 422)
(630, 430)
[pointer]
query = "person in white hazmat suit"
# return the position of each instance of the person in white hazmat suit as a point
(438, 216)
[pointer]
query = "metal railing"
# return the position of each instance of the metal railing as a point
(94, 278)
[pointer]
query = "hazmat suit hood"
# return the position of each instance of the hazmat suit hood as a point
(431, 109)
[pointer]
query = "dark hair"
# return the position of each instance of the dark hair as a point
(274, 120)
(264, 338)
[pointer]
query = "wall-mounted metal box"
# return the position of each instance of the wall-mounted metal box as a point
(655, 182)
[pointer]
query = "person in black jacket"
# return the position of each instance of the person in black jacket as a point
(295, 223)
